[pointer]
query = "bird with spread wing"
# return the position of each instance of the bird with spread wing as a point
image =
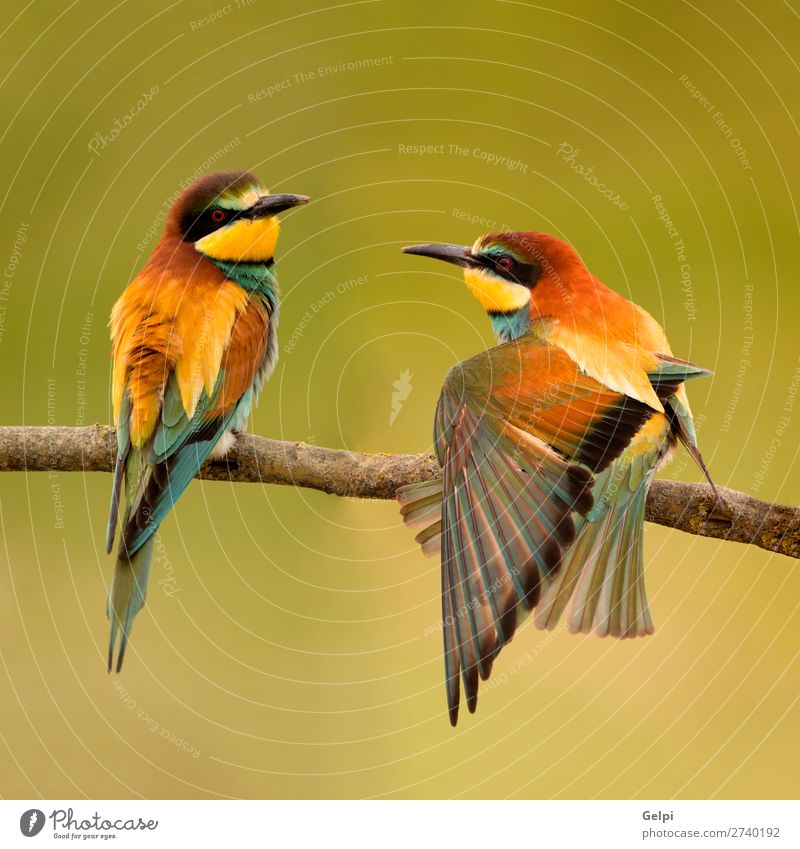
(548, 444)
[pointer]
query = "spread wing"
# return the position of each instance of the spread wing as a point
(520, 430)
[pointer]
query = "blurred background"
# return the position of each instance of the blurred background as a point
(291, 646)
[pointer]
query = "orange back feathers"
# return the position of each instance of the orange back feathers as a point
(609, 337)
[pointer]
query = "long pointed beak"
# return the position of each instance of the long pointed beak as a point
(456, 254)
(268, 205)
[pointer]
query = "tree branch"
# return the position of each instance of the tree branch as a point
(688, 507)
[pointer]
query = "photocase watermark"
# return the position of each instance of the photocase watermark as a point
(318, 73)
(52, 475)
(320, 304)
(32, 822)
(781, 426)
(12, 263)
(100, 141)
(80, 371)
(488, 157)
(168, 581)
(570, 154)
(155, 228)
(95, 825)
(153, 724)
(744, 360)
(218, 14)
(719, 119)
(680, 256)
(402, 389)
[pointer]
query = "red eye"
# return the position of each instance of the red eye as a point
(505, 263)
(217, 215)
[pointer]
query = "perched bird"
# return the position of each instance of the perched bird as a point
(194, 338)
(548, 444)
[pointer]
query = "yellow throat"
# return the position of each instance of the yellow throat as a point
(494, 293)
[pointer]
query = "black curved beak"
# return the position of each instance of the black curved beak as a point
(456, 254)
(268, 205)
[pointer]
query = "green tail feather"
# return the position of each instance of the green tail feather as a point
(127, 597)
(610, 596)
(601, 577)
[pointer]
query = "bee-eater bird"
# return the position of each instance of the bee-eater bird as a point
(548, 444)
(193, 340)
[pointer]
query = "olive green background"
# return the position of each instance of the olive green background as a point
(290, 645)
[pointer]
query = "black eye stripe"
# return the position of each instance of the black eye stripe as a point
(522, 273)
(493, 264)
(194, 226)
